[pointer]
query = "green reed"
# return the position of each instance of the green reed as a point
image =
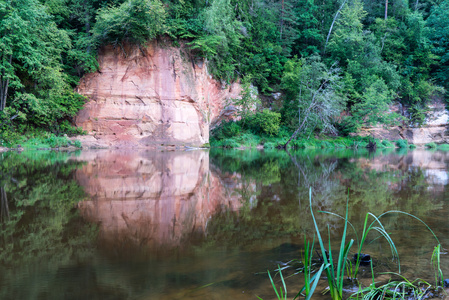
(310, 281)
(334, 269)
(335, 266)
(282, 293)
(435, 261)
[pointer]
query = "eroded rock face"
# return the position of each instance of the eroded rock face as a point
(153, 95)
(151, 199)
(434, 130)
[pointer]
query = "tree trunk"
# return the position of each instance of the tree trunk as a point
(282, 21)
(4, 209)
(4, 84)
(386, 9)
(306, 114)
(332, 25)
(3, 93)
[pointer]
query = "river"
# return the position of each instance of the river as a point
(206, 224)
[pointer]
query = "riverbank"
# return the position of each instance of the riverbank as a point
(43, 141)
(247, 141)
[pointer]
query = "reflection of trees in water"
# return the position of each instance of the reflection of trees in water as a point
(280, 182)
(373, 184)
(4, 209)
(39, 223)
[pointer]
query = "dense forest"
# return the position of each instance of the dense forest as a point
(337, 64)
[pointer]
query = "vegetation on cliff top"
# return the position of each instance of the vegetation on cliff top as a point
(355, 56)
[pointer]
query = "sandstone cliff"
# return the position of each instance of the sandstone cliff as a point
(149, 96)
(434, 130)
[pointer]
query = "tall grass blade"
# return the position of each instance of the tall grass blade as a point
(280, 295)
(315, 282)
(415, 217)
(435, 260)
(274, 286)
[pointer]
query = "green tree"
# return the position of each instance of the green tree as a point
(221, 39)
(310, 37)
(31, 46)
(438, 21)
(347, 40)
(417, 86)
(32, 82)
(313, 87)
(135, 21)
(373, 107)
(247, 103)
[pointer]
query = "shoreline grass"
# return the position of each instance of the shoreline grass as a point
(339, 268)
(41, 142)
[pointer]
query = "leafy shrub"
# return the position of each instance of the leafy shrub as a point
(431, 145)
(326, 145)
(402, 143)
(66, 128)
(269, 145)
(264, 122)
(347, 125)
(226, 130)
(57, 141)
(229, 143)
(134, 20)
(76, 143)
(248, 140)
(443, 147)
(284, 132)
(387, 144)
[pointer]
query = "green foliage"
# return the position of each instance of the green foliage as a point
(48, 45)
(227, 130)
(443, 147)
(221, 39)
(264, 122)
(438, 21)
(135, 21)
(247, 103)
(348, 38)
(347, 125)
(310, 36)
(387, 144)
(373, 107)
(33, 84)
(402, 143)
(431, 145)
(55, 141)
(312, 100)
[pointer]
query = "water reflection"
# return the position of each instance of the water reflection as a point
(40, 229)
(412, 182)
(201, 224)
(154, 200)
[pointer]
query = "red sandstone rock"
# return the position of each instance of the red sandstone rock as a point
(150, 96)
(152, 199)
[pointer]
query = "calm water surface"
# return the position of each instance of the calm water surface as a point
(204, 224)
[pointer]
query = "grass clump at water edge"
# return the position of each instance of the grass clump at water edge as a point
(339, 268)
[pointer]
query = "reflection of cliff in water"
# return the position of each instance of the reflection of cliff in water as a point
(432, 165)
(150, 199)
